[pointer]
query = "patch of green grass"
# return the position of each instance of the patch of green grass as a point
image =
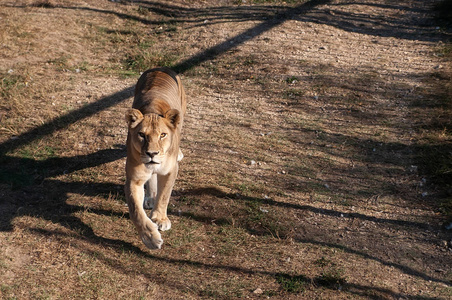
(142, 10)
(228, 238)
(84, 66)
(259, 217)
(183, 235)
(140, 54)
(291, 79)
(9, 83)
(37, 152)
(250, 61)
(332, 275)
(293, 94)
(294, 284)
(144, 59)
(61, 63)
(116, 37)
(322, 262)
(232, 288)
(6, 291)
(447, 291)
(3, 264)
(263, 220)
(167, 27)
(243, 188)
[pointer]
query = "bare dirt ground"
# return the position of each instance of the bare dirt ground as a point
(311, 139)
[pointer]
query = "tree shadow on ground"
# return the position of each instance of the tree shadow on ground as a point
(307, 281)
(33, 191)
(16, 168)
(348, 21)
(376, 25)
(312, 235)
(272, 16)
(109, 101)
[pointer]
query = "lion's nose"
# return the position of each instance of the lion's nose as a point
(151, 154)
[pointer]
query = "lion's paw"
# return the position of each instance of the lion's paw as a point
(162, 221)
(151, 236)
(151, 241)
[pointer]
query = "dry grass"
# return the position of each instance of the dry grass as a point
(317, 150)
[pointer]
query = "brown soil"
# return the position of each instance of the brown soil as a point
(304, 175)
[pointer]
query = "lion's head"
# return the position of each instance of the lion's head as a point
(153, 137)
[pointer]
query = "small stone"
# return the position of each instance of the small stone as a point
(258, 291)
(252, 162)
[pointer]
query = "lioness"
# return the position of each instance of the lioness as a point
(155, 122)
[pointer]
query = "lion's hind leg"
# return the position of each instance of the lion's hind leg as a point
(150, 192)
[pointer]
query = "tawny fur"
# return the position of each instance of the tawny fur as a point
(155, 123)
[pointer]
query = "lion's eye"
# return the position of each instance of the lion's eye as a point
(142, 135)
(163, 135)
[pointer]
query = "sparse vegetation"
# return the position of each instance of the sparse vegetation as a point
(317, 150)
(292, 284)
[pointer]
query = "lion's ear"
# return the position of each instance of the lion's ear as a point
(133, 117)
(173, 116)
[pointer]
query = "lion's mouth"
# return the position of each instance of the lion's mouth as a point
(149, 161)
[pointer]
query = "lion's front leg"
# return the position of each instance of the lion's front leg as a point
(147, 229)
(165, 186)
